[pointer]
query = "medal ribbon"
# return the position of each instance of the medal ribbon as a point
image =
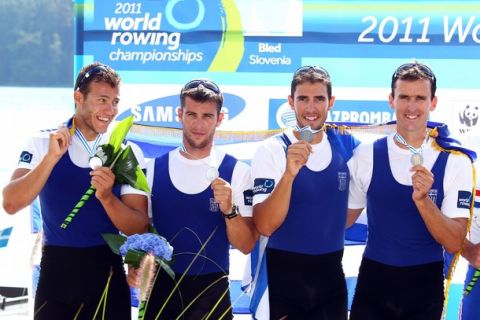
(90, 150)
(213, 158)
(306, 133)
(307, 128)
(414, 150)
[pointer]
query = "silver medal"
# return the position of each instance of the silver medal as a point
(212, 174)
(306, 135)
(95, 162)
(416, 159)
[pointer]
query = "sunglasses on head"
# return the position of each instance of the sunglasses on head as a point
(93, 71)
(210, 85)
(316, 69)
(420, 68)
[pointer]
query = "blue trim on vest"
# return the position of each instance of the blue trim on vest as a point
(284, 141)
(343, 143)
(186, 220)
(63, 189)
(397, 234)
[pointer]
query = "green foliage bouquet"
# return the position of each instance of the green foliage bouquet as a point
(121, 160)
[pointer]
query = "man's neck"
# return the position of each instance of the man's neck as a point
(196, 153)
(87, 133)
(414, 139)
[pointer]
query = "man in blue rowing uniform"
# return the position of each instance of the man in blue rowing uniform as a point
(76, 264)
(301, 183)
(417, 197)
(201, 196)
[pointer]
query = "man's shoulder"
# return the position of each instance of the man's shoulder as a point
(278, 140)
(43, 133)
(459, 159)
(241, 164)
(363, 150)
(238, 164)
(40, 137)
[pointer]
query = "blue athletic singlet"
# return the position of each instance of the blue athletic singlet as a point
(63, 189)
(315, 223)
(397, 234)
(187, 220)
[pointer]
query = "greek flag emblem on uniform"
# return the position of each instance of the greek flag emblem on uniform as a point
(342, 181)
(213, 205)
(432, 194)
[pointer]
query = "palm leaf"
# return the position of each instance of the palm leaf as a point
(127, 171)
(114, 241)
(166, 266)
(134, 257)
(119, 133)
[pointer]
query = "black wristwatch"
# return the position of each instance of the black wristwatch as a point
(232, 214)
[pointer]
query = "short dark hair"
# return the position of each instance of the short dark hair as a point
(311, 74)
(202, 90)
(96, 72)
(414, 71)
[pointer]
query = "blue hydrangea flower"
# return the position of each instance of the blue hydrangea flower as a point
(150, 243)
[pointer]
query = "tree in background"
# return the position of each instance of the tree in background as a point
(36, 42)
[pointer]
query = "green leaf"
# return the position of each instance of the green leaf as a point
(114, 241)
(134, 257)
(125, 167)
(127, 171)
(119, 133)
(165, 267)
(151, 229)
(141, 182)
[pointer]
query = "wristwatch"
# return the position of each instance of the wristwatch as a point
(232, 214)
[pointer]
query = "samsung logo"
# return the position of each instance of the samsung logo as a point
(162, 112)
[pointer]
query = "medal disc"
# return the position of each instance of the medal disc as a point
(306, 135)
(95, 162)
(212, 174)
(416, 159)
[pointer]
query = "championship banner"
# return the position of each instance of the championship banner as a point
(251, 48)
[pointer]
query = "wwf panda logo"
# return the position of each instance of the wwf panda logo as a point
(469, 115)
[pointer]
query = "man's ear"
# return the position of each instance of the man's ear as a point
(180, 115)
(331, 102)
(78, 98)
(434, 103)
(220, 118)
(390, 101)
(290, 102)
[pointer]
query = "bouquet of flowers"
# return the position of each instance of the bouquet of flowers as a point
(120, 159)
(149, 253)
